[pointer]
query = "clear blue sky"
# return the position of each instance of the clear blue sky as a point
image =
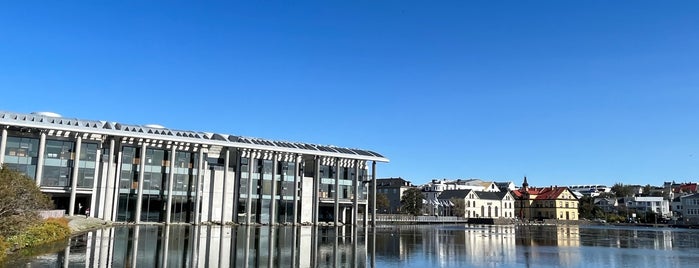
(564, 92)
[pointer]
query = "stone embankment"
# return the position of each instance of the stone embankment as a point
(79, 224)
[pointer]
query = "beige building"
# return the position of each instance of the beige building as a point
(545, 203)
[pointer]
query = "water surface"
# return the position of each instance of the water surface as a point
(384, 246)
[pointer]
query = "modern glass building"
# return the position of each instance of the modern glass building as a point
(149, 173)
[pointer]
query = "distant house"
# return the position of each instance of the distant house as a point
(640, 204)
(545, 203)
(608, 205)
(481, 204)
(506, 186)
(434, 189)
(690, 208)
(393, 189)
(688, 188)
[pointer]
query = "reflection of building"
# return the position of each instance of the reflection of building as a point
(149, 173)
(559, 236)
(214, 246)
(545, 203)
(393, 189)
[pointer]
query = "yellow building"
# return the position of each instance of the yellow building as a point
(545, 203)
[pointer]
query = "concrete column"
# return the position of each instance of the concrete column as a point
(273, 205)
(373, 193)
(248, 200)
(141, 177)
(40, 161)
(316, 188)
(200, 174)
(226, 163)
(3, 145)
(297, 169)
(110, 179)
(236, 187)
(117, 181)
(336, 206)
(93, 197)
(355, 185)
(170, 182)
(74, 176)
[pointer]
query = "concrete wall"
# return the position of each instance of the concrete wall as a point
(307, 201)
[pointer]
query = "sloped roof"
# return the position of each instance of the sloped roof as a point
(44, 121)
(687, 188)
(449, 194)
(491, 195)
(545, 193)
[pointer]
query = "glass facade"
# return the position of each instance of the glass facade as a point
(183, 187)
(58, 160)
(21, 154)
(285, 191)
(265, 190)
(155, 188)
(128, 184)
(327, 182)
(346, 190)
(87, 164)
(243, 188)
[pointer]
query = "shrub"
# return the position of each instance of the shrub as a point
(3, 248)
(49, 231)
(19, 199)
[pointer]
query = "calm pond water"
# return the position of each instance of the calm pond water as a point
(384, 246)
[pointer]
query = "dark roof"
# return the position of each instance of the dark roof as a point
(491, 195)
(392, 182)
(449, 194)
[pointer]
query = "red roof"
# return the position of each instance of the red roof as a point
(687, 188)
(546, 193)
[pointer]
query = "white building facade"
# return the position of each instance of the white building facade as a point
(133, 173)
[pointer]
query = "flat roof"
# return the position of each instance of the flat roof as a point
(42, 121)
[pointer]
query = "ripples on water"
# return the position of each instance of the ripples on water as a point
(384, 246)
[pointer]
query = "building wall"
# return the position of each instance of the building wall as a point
(129, 186)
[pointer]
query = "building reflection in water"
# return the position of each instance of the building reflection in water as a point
(403, 245)
(447, 246)
(213, 246)
(558, 245)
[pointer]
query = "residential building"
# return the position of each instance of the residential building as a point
(640, 204)
(148, 173)
(608, 205)
(506, 186)
(690, 209)
(481, 204)
(393, 189)
(545, 203)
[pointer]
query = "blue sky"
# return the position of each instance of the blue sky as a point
(563, 92)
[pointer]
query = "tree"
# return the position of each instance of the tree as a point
(382, 202)
(19, 200)
(621, 190)
(411, 201)
(647, 189)
(589, 210)
(459, 207)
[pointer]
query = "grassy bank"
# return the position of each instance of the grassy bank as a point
(47, 231)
